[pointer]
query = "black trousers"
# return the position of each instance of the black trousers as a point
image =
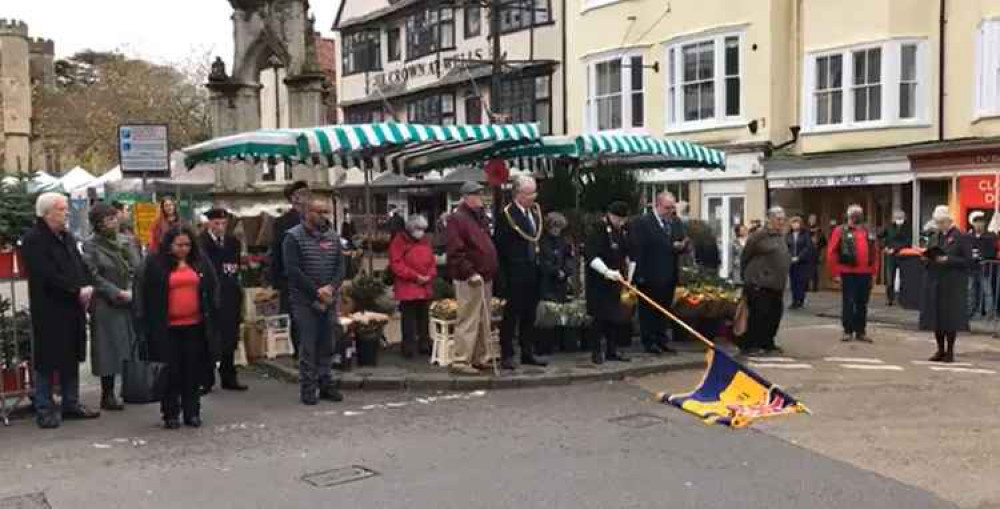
(415, 324)
(187, 356)
(855, 290)
(766, 308)
(612, 333)
(799, 279)
(519, 318)
(653, 325)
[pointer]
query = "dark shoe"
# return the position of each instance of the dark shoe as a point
(331, 394)
(597, 358)
(847, 338)
(174, 423)
(654, 349)
(79, 413)
(864, 338)
(773, 350)
(667, 350)
(938, 357)
(890, 304)
(111, 403)
(233, 384)
(310, 400)
(48, 420)
(507, 365)
(463, 369)
(193, 422)
(531, 360)
(617, 357)
(747, 352)
(948, 358)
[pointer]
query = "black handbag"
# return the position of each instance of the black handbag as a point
(143, 381)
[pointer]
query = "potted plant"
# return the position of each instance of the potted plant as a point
(17, 215)
(366, 324)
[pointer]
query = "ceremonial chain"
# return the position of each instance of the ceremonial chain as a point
(535, 209)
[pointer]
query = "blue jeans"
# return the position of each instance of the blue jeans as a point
(69, 381)
(315, 330)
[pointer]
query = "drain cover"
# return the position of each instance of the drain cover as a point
(32, 501)
(638, 421)
(338, 476)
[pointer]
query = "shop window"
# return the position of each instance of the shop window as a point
(365, 115)
(361, 51)
(877, 85)
(615, 93)
(528, 100)
(438, 109)
(988, 69)
(473, 21)
(704, 81)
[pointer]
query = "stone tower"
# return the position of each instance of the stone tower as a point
(15, 97)
(276, 36)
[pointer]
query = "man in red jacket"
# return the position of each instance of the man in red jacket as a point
(472, 264)
(852, 257)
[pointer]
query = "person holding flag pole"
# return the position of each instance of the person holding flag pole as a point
(606, 252)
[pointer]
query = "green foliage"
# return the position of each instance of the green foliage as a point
(443, 289)
(558, 192)
(11, 351)
(17, 210)
(366, 290)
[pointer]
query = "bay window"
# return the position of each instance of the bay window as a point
(430, 30)
(704, 81)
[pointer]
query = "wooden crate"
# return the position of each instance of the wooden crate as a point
(443, 341)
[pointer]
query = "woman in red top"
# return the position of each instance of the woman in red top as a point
(179, 302)
(412, 261)
(167, 218)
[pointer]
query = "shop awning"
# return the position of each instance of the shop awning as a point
(262, 144)
(410, 148)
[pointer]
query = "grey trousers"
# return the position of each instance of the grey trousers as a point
(315, 331)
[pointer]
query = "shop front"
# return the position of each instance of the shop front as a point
(963, 176)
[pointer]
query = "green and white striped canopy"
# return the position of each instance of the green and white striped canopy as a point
(262, 144)
(410, 148)
(627, 151)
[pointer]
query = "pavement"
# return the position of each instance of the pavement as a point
(827, 304)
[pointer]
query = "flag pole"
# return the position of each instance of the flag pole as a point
(661, 309)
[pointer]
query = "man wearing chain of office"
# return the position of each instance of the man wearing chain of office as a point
(518, 231)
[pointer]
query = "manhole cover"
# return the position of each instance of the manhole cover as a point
(32, 501)
(638, 421)
(338, 476)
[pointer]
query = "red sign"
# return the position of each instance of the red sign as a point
(977, 192)
(497, 172)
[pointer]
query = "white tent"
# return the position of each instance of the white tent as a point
(43, 182)
(76, 178)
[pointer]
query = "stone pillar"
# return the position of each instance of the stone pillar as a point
(305, 98)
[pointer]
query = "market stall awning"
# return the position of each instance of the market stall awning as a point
(262, 144)
(622, 150)
(410, 148)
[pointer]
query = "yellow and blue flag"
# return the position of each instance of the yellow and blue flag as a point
(734, 395)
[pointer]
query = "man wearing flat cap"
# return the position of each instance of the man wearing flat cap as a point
(472, 264)
(224, 251)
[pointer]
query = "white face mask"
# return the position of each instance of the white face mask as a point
(418, 234)
(899, 222)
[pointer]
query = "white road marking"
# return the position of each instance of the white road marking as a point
(770, 359)
(951, 369)
(780, 365)
(873, 367)
(855, 360)
(953, 364)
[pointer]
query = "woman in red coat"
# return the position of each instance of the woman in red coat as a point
(412, 261)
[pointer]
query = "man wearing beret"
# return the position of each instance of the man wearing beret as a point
(224, 251)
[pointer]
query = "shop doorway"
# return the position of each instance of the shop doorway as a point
(724, 213)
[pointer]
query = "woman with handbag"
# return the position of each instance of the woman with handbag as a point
(414, 267)
(558, 266)
(179, 302)
(112, 317)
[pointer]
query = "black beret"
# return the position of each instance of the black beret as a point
(618, 208)
(217, 213)
(290, 189)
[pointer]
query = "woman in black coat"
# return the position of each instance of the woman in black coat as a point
(179, 302)
(947, 262)
(803, 253)
(558, 266)
(607, 263)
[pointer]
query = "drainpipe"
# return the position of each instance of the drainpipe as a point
(942, 24)
(565, 83)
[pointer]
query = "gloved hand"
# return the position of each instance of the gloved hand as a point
(613, 275)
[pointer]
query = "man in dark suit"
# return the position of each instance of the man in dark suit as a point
(518, 231)
(657, 239)
(297, 194)
(224, 251)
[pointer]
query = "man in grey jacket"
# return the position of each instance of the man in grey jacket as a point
(314, 267)
(765, 263)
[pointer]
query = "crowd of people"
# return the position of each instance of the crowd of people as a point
(180, 299)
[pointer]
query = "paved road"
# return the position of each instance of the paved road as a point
(880, 407)
(552, 448)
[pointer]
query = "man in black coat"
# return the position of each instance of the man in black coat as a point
(59, 292)
(658, 239)
(518, 231)
(895, 238)
(224, 252)
(606, 256)
(297, 194)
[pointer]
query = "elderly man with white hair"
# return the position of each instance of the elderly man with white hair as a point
(518, 233)
(853, 259)
(947, 260)
(766, 262)
(59, 292)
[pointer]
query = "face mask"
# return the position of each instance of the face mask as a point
(419, 234)
(899, 222)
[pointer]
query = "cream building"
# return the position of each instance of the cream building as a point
(428, 61)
